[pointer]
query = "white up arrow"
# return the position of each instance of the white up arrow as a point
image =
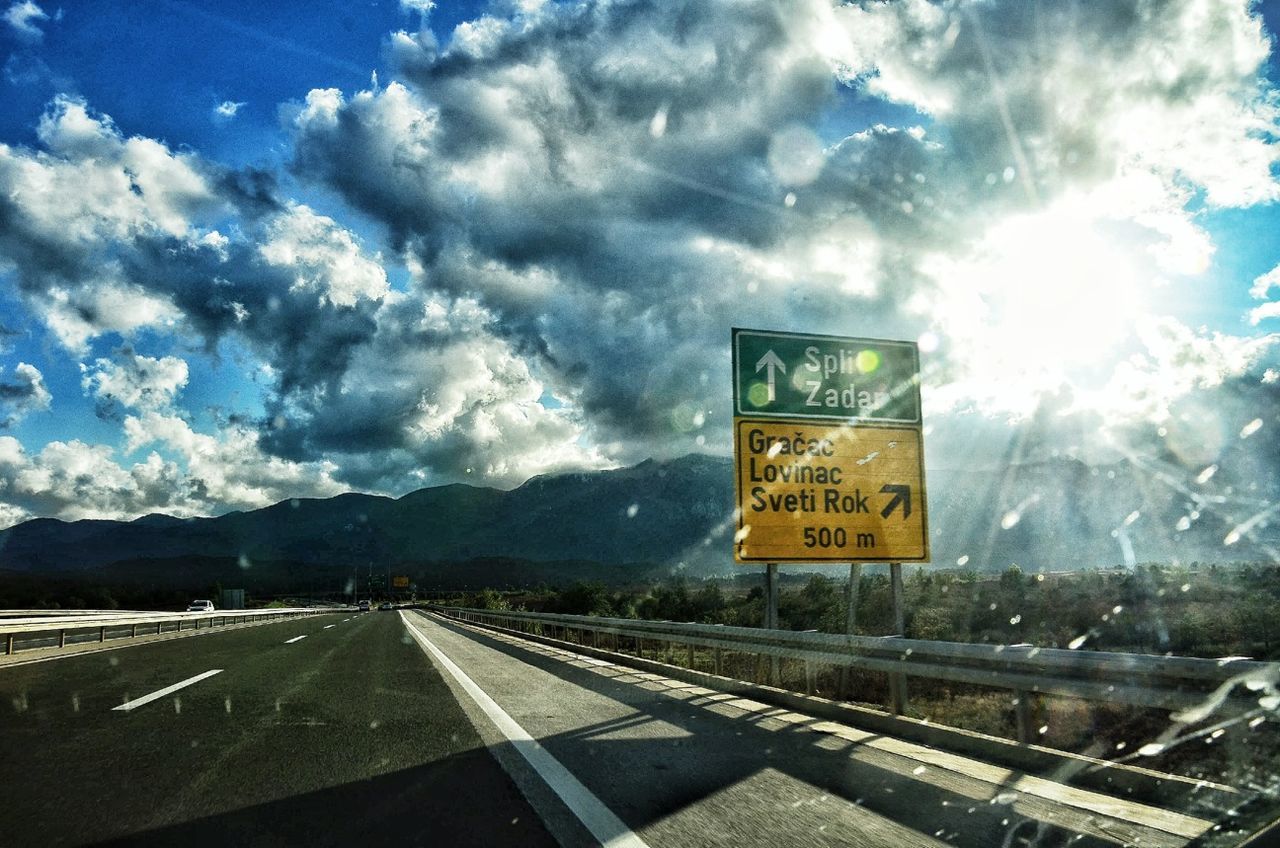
(771, 361)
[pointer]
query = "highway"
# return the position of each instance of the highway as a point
(347, 734)
(400, 728)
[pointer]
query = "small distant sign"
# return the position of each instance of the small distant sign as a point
(839, 378)
(400, 582)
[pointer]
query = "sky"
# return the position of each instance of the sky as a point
(251, 252)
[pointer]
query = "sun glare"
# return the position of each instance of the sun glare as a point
(1045, 298)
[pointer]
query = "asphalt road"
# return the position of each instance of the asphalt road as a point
(346, 735)
(679, 765)
(402, 729)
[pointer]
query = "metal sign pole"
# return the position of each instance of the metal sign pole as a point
(771, 613)
(851, 597)
(898, 682)
(771, 596)
(850, 622)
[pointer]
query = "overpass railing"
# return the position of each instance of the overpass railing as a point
(1191, 688)
(46, 631)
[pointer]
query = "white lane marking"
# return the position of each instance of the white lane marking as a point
(327, 626)
(294, 639)
(606, 827)
(160, 693)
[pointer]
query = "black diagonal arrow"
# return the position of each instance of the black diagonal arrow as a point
(901, 495)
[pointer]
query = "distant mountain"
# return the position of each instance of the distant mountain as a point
(1053, 515)
(648, 513)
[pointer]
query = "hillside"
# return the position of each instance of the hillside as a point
(1056, 515)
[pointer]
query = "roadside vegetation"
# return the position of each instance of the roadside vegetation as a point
(1208, 610)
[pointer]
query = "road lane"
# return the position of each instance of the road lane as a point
(599, 820)
(329, 740)
(682, 765)
(160, 693)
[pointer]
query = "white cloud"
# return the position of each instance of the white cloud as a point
(1261, 313)
(1260, 291)
(1176, 362)
(1173, 88)
(136, 381)
(22, 393)
(1263, 284)
(77, 205)
(437, 394)
(25, 17)
(76, 315)
(323, 257)
(73, 480)
(230, 468)
(227, 110)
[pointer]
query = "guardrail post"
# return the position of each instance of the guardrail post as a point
(62, 638)
(102, 634)
(134, 632)
(9, 645)
(159, 625)
(1024, 712)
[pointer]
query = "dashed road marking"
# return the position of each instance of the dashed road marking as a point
(160, 693)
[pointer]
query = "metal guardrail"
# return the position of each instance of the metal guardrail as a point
(1191, 687)
(77, 628)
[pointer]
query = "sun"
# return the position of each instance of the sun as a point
(1044, 299)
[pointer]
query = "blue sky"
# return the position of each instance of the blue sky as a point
(521, 248)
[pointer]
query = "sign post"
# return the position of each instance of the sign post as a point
(898, 682)
(828, 453)
(829, 460)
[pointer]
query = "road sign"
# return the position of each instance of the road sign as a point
(814, 492)
(399, 582)
(835, 378)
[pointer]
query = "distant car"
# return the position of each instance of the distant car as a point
(364, 606)
(385, 605)
(201, 606)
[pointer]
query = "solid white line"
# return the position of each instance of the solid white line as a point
(327, 626)
(160, 693)
(606, 827)
(294, 639)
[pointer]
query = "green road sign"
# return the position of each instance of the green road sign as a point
(800, 375)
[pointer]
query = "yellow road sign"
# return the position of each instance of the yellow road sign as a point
(830, 492)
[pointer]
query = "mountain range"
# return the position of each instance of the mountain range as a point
(1060, 514)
